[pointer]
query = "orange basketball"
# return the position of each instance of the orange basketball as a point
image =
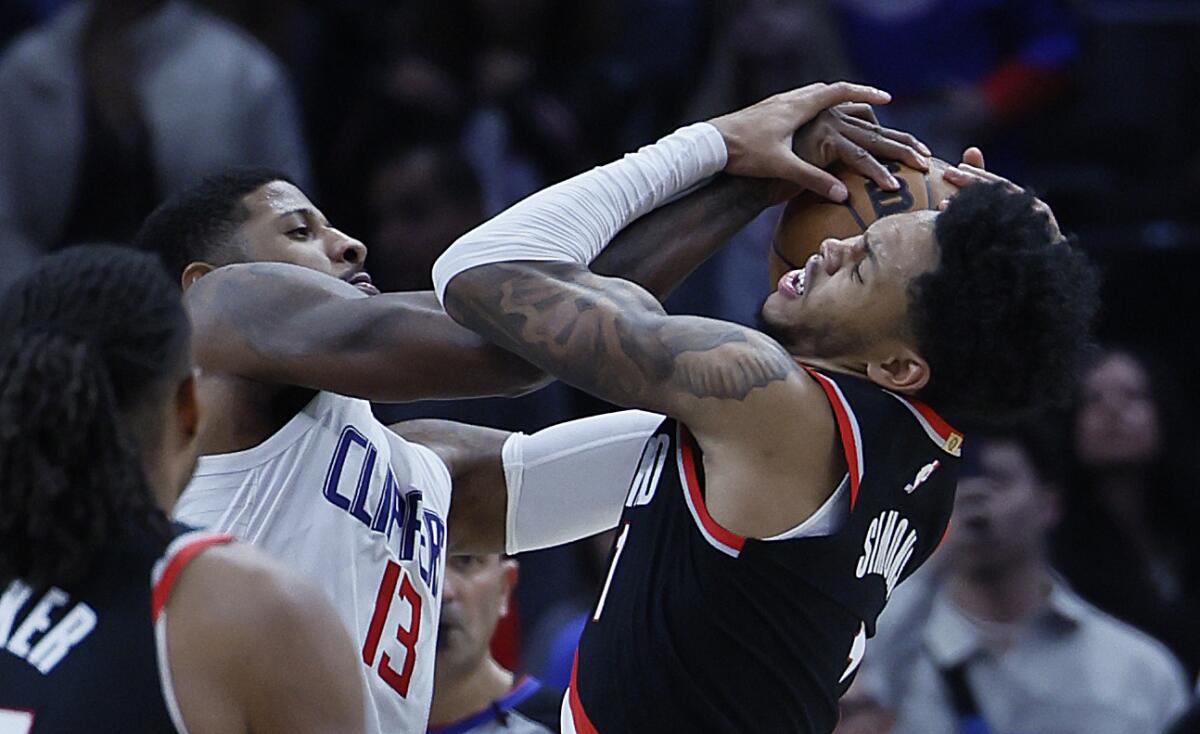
(809, 219)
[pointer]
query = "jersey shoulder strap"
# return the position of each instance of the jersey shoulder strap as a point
(863, 409)
(185, 547)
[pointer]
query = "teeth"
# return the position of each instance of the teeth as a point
(799, 283)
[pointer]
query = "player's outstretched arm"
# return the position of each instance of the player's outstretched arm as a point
(515, 492)
(283, 324)
(610, 338)
(252, 647)
(521, 281)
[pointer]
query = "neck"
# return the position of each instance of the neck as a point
(469, 694)
(1010, 594)
(829, 365)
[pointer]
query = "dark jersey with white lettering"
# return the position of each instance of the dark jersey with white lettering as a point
(701, 630)
(94, 658)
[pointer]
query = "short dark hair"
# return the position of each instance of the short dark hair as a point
(87, 336)
(198, 223)
(1040, 438)
(1005, 320)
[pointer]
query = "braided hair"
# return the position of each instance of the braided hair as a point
(87, 337)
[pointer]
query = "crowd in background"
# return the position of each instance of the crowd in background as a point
(411, 122)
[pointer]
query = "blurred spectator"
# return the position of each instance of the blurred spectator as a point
(115, 104)
(471, 691)
(419, 200)
(1127, 542)
(760, 47)
(861, 713)
(961, 70)
(1007, 647)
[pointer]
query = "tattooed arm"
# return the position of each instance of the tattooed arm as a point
(611, 338)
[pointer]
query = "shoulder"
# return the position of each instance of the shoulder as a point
(222, 39)
(1142, 657)
(44, 51)
(243, 591)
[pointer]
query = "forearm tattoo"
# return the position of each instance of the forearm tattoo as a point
(611, 338)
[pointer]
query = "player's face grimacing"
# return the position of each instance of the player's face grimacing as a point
(284, 226)
(850, 300)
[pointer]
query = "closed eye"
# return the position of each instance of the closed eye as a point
(299, 233)
(857, 272)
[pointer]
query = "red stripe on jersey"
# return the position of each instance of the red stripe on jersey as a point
(726, 537)
(175, 565)
(845, 430)
(583, 725)
(950, 437)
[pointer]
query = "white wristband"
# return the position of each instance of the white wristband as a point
(574, 220)
(569, 481)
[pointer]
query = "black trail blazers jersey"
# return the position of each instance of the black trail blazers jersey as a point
(94, 659)
(700, 630)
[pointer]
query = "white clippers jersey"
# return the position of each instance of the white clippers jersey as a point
(362, 513)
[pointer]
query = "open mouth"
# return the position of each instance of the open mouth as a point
(362, 281)
(792, 283)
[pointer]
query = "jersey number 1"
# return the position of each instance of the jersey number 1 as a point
(406, 636)
(611, 570)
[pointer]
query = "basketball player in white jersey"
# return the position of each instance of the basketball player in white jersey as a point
(295, 467)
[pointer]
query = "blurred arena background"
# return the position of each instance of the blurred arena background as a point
(413, 121)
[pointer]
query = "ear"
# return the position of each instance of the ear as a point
(187, 408)
(194, 272)
(510, 571)
(903, 370)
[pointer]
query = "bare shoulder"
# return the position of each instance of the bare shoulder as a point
(242, 590)
(254, 645)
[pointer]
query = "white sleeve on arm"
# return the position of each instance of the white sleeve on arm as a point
(569, 481)
(574, 220)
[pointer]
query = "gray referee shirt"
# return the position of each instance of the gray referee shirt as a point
(1071, 669)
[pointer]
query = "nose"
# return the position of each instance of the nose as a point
(345, 248)
(450, 584)
(837, 253)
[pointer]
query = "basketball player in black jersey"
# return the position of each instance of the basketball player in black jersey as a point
(271, 325)
(98, 421)
(802, 472)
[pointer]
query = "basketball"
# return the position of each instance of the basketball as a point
(809, 219)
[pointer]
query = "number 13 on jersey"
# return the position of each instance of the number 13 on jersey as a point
(405, 634)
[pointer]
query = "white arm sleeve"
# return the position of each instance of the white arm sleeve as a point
(574, 220)
(569, 481)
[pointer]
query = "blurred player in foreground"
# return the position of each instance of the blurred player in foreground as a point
(800, 475)
(471, 691)
(98, 425)
(293, 466)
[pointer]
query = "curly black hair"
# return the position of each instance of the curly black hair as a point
(1005, 320)
(199, 223)
(86, 337)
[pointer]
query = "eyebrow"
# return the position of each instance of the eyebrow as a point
(867, 248)
(308, 213)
